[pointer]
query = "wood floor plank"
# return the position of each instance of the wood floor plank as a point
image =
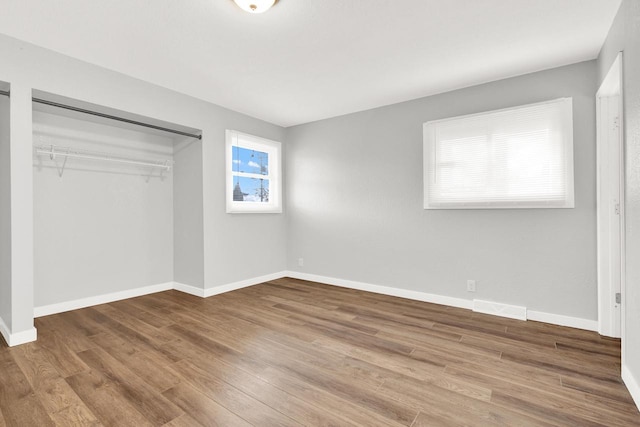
(332, 403)
(149, 403)
(129, 307)
(145, 364)
(60, 355)
(201, 408)
(449, 408)
(604, 389)
(303, 412)
(552, 398)
(86, 320)
(152, 333)
(18, 402)
(58, 399)
(542, 412)
(399, 363)
(291, 352)
(306, 316)
(106, 402)
(139, 340)
(75, 415)
(235, 400)
(280, 356)
(462, 417)
(183, 420)
(74, 338)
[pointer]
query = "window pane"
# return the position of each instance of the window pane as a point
(250, 161)
(250, 189)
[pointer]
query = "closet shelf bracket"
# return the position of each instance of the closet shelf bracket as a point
(53, 151)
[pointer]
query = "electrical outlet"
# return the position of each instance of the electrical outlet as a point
(300, 262)
(471, 285)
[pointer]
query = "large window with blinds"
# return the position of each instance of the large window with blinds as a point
(518, 157)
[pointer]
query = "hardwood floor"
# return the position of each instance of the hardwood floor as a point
(292, 353)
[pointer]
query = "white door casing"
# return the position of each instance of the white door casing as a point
(610, 199)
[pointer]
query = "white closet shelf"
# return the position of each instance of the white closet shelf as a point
(54, 151)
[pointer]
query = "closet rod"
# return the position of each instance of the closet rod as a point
(109, 116)
(5, 92)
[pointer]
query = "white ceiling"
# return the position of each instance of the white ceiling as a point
(306, 60)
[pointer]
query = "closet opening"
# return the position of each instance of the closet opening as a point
(105, 211)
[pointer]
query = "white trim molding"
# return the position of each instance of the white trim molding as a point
(384, 290)
(146, 290)
(19, 337)
(216, 290)
(498, 309)
(562, 320)
(4, 330)
(632, 384)
(189, 289)
(209, 292)
(556, 319)
(99, 299)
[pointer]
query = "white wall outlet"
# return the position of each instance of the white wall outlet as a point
(300, 262)
(471, 285)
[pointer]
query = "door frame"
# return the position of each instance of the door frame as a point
(610, 314)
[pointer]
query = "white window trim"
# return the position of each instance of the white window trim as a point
(429, 169)
(274, 149)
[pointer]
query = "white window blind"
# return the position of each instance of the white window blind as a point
(514, 158)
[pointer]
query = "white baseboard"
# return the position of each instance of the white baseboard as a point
(632, 384)
(146, 290)
(556, 319)
(498, 309)
(540, 316)
(99, 299)
(562, 320)
(216, 290)
(385, 290)
(19, 337)
(208, 292)
(4, 330)
(188, 289)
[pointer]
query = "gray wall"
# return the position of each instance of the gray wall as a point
(101, 227)
(5, 215)
(188, 220)
(625, 35)
(355, 182)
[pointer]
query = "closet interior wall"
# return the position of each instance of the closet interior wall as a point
(5, 214)
(100, 227)
(188, 213)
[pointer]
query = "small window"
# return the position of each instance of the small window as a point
(519, 157)
(253, 174)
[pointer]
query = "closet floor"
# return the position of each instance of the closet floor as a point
(291, 352)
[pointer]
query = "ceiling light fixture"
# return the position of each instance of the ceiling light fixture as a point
(255, 6)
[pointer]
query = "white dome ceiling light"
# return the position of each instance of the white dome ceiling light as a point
(255, 6)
